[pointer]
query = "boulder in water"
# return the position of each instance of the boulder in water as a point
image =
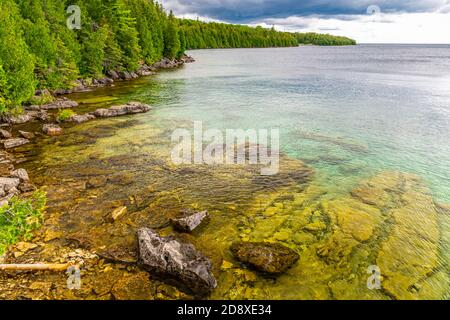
(176, 262)
(271, 258)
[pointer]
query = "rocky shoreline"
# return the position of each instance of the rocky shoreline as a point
(16, 182)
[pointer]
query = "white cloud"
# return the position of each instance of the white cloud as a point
(382, 28)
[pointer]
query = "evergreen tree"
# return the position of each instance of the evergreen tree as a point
(16, 61)
(171, 38)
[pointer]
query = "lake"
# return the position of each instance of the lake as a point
(364, 172)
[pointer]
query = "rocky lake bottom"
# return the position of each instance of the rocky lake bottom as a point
(108, 178)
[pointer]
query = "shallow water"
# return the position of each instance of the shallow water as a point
(350, 117)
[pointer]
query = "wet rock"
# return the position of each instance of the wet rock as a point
(22, 174)
(271, 258)
(23, 118)
(129, 108)
(187, 59)
(189, 221)
(168, 64)
(80, 118)
(4, 134)
(125, 75)
(113, 74)
(52, 129)
(14, 142)
(8, 184)
(62, 103)
(26, 187)
(176, 261)
(145, 71)
(118, 213)
(39, 115)
(26, 135)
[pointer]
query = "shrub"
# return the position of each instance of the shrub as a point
(20, 218)
(64, 115)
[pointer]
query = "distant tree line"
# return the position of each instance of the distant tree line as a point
(202, 35)
(323, 39)
(38, 50)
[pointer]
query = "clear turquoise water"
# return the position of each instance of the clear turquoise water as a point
(347, 111)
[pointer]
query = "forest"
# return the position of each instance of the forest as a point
(38, 50)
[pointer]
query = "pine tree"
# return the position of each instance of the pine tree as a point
(17, 62)
(171, 38)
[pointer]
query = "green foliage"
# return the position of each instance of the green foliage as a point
(171, 38)
(16, 61)
(202, 35)
(44, 98)
(20, 218)
(64, 114)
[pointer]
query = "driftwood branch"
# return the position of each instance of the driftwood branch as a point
(35, 267)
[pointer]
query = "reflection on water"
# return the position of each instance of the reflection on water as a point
(357, 186)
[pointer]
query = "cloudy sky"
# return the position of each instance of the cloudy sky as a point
(373, 21)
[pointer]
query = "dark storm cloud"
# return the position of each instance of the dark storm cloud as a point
(251, 10)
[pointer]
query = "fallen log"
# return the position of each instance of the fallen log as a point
(35, 267)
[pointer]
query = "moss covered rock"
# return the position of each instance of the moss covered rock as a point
(267, 257)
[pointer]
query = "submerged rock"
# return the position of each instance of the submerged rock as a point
(23, 118)
(14, 142)
(26, 135)
(175, 261)
(189, 221)
(129, 108)
(5, 134)
(80, 118)
(62, 103)
(52, 129)
(272, 258)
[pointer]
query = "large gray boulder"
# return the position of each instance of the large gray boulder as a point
(176, 262)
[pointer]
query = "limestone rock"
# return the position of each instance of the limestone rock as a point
(22, 174)
(272, 258)
(5, 134)
(9, 184)
(26, 135)
(80, 118)
(129, 108)
(177, 261)
(14, 142)
(52, 129)
(62, 103)
(189, 221)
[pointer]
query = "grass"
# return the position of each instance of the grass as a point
(20, 218)
(64, 115)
